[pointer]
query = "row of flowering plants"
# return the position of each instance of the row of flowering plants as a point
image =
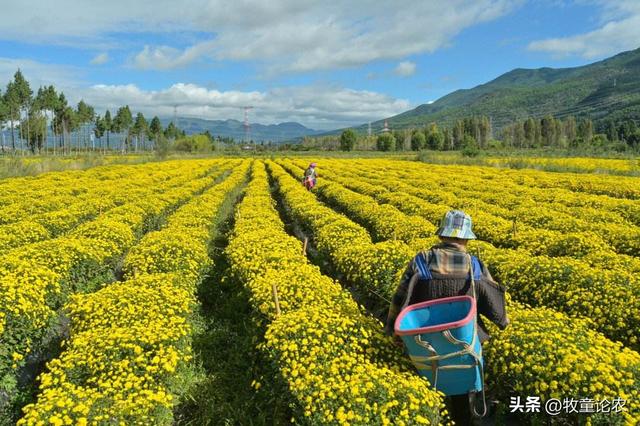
(30, 197)
(622, 187)
(571, 164)
(339, 366)
(517, 215)
(347, 245)
(52, 205)
(543, 352)
(610, 296)
(127, 358)
(37, 279)
(609, 219)
(503, 233)
(614, 186)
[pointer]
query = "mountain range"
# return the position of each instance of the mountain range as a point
(608, 89)
(233, 128)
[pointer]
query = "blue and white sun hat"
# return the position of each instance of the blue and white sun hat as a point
(456, 224)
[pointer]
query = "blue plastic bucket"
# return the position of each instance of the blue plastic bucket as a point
(441, 338)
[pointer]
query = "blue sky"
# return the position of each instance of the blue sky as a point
(325, 65)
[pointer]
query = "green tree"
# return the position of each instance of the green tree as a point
(99, 128)
(548, 129)
(194, 144)
(458, 134)
(108, 125)
(214, 142)
(58, 114)
(122, 124)
(484, 131)
(418, 140)
(155, 129)
(208, 134)
(518, 135)
(558, 138)
(38, 107)
(46, 101)
(570, 131)
(156, 126)
(86, 114)
(70, 122)
(23, 93)
(600, 140)
(12, 100)
(470, 147)
(633, 139)
(585, 131)
(435, 138)
(162, 146)
(386, 142)
(611, 130)
(538, 133)
(140, 129)
(33, 128)
(347, 140)
(66, 121)
(626, 130)
(171, 132)
(400, 137)
(530, 132)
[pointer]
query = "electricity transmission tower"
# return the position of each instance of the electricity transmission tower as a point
(247, 126)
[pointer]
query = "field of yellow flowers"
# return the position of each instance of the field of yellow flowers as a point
(574, 357)
(100, 271)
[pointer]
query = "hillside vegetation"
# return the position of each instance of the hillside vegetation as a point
(609, 89)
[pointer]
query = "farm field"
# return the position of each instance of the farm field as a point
(629, 166)
(31, 165)
(221, 291)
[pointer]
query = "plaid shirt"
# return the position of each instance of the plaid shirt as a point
(449, 267)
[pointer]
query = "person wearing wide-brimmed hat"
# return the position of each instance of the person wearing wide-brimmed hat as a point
(445, 271)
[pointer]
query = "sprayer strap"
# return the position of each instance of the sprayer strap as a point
(473, 281)
(412, 283)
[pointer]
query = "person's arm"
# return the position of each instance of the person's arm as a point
(399, 298)
(491, 299)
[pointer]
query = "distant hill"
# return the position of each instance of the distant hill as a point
(233, 128)
(602, 90)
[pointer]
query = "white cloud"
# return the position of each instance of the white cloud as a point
(619, 30)
(287, 35)
(353, 34)
(321, 107)
(166, 57)
(405, 69)
(100, 59)
(37, 73)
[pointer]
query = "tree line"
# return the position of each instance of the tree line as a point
(468, 132)
(32, 118)
(571, 133)
(474, 133)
